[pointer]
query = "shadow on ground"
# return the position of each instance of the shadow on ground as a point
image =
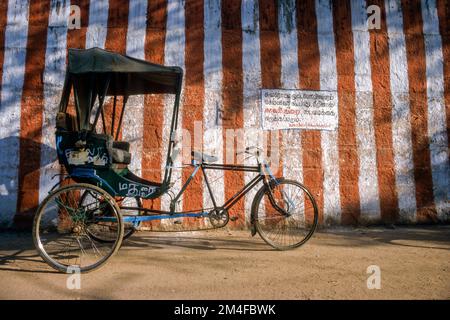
(435, 237)
(17, 250)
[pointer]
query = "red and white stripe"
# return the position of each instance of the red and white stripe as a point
(405, 169)
(213, 79)
(54, 73)
(173, 56)
(437, 127)
(329, 139)
(365, 132)
(291, 147)
(401, 125)
(251, 69)
(98, 23)
(133, 118)
(13, 72)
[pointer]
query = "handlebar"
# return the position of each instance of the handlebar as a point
(257, 154)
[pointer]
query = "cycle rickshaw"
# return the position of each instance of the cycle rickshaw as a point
(82, 224)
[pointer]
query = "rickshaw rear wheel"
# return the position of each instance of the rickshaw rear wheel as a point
(129, 228)
(61, 223)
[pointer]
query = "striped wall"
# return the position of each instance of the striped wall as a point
(387, 163)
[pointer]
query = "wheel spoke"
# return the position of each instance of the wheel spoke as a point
(69, 240)
(285, 231)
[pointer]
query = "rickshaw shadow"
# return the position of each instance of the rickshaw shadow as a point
(18, 244)
(161, 240)
(18, 257)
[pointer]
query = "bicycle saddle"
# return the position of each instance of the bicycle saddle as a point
(203, 157)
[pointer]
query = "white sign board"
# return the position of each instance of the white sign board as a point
(299, 109)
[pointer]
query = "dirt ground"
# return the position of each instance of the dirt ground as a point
(221, 264)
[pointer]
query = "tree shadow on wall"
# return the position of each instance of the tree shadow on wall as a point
(20, 162)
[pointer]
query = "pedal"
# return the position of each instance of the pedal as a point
(234, 218)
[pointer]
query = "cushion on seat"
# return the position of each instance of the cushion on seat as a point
(120, 156)
(122, 145)
(118, 150)
(65, 121)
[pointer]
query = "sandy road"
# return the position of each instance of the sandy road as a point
(414, 264)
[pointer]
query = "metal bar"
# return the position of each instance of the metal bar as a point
(173, 128)
(125, 99)
(103, 121)
(209, 189)
(113, 115)
(77, 107)
(156, 212)
(220, 166)
(238, 195)
(186, 184)
(91, 98)
(155, 217)
(100, 105)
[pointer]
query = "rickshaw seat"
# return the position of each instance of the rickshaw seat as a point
(120, 149)
(120, 152)
(121, 156)
(122, 145)
(65, 121)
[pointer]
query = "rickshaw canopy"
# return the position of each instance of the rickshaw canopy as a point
(100, 73)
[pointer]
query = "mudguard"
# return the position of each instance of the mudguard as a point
(253, 208)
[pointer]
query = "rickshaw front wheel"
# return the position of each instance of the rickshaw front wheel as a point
(294, 221)
(63, 225)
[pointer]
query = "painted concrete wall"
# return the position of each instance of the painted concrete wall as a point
(387, 162)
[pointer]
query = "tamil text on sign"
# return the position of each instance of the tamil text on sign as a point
(299, 109)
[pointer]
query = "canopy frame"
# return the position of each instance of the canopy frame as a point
(94, 74)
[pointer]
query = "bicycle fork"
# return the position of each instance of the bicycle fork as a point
(270, 181)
